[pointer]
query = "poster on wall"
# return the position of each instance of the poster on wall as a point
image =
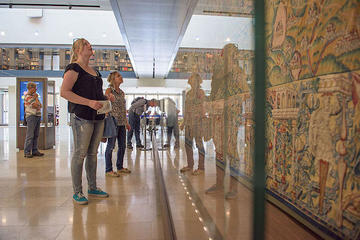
(23, 91)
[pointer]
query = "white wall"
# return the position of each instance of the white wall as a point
(12, 105)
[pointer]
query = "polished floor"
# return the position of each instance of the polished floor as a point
(36, 199)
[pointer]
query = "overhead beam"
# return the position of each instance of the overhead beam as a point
(152, 32)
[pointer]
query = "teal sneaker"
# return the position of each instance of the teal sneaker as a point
(98, 193)
(79, 198)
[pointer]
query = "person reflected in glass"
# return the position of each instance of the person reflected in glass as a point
(194, 114)
(119, 112)
(33, 119)
(82, 87)
(172, 123)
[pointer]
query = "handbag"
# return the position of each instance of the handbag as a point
(110, 127)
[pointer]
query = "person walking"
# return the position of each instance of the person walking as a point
(33, 118)
(172, 123)
(119, 112)
(82, 87)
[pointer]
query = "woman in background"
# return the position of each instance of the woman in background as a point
(119, 112)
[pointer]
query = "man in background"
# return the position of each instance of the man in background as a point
(138, 106)
(168, 106)
(33, 118)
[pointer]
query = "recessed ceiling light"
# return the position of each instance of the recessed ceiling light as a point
(227, 40)
(71, 34)
(2, 33)
(104, 35)
(197, 38)
(36, 33)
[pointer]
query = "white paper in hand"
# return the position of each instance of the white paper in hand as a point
(106, 107)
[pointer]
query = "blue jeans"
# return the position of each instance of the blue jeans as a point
(87, 136)
(121, 137)
(134, 121)
(32, 134)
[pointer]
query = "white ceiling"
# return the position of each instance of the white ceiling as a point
(69, 24)
(237, 30)
(217, 31)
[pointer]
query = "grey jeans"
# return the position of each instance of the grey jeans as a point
(87, 136)
(32, 134)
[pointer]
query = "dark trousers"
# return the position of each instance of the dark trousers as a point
(121, 135)
(134, 121)
(175, 130)
(32, 134)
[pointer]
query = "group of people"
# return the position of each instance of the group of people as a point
(82, 87)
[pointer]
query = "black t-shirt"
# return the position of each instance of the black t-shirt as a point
(87, 86)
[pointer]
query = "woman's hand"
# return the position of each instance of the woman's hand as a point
(94, 104)
(128, 127)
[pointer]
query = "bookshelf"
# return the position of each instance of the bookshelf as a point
(38, 59)
(4, 59)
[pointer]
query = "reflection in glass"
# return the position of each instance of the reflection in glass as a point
(193, 119)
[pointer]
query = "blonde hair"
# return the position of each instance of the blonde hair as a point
(30, 85)
(111, 78)
(77, 46)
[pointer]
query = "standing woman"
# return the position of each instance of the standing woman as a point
(82, 87)
(119, 112)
